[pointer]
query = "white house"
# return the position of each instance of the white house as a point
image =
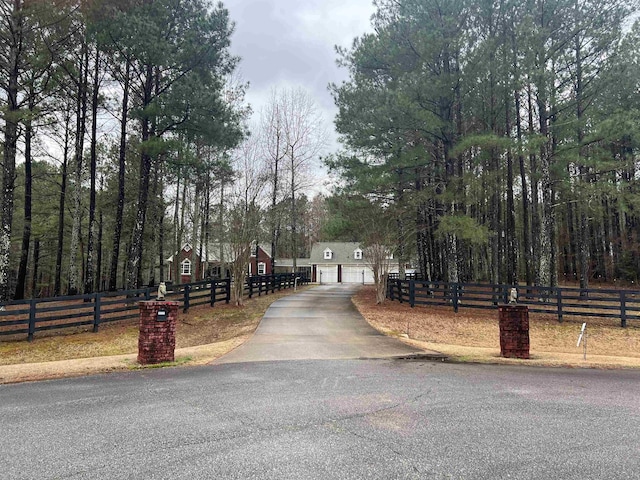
(340, 262)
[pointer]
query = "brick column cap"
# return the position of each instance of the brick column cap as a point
(159, 303)
(512, 306)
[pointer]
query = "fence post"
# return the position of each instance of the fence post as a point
(96, 312)
(228, 291)
(412, 293)
(32, 319)
(250, 282)
(147, 293)
(185, 306)
(213, 292)
(559, 303)
(454, 292)
(623, 309)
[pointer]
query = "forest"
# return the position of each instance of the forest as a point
(481, 140)
(498, 139)
(125, 135)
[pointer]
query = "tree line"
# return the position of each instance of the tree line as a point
(106, 107)
(499, 136)
(126, 134)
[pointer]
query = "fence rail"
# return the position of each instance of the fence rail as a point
(623, 305)
(27, 317)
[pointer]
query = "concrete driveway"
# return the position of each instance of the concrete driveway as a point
(319, 323)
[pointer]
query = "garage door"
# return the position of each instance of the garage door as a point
(328, 274)
(353, 274)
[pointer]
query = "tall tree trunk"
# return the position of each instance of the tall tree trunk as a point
(122, 155)
(583, 236)
(100, 276)
(176, 232)
(57, 287)
(222, 236)
(11, 120)
(196, 226)
(89, 276)
(526, 230)
(135, 250)
(535, 189)
(81, 114)
(161, 224)
(294, 222)
(275, 214)
(204, 243)
(154, 220)
(36, 265)
(181, 232)
(510, 237)
(21, 283)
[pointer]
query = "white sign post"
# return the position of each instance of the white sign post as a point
(583, 338)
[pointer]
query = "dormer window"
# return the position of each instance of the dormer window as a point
(357, 254)
(328, 254)
(185, 267)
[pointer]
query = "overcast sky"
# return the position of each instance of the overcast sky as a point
(290, 43)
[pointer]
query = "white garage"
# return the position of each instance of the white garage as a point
(354, 273)
(340, 262)
(327, 273)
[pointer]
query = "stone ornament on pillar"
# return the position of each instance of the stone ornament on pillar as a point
(162, 291)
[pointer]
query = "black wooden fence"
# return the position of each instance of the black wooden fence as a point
(20, 317)
(623, 305)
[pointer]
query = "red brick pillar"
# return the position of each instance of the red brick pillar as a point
(157, 338)
(514, 331)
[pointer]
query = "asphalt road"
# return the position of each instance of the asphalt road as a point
(325, 419)
(319, 323)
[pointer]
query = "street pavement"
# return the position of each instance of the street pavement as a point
(353, 418)
(325, 419)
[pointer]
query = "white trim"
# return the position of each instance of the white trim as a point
(185, 267)
(328, 254)
(262, 268)
(357, 254)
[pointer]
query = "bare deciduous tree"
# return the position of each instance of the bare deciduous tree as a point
(245, 212)
(293, 137)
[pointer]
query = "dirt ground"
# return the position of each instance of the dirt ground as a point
(473, 334)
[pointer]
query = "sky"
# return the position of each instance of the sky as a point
(291, 43)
